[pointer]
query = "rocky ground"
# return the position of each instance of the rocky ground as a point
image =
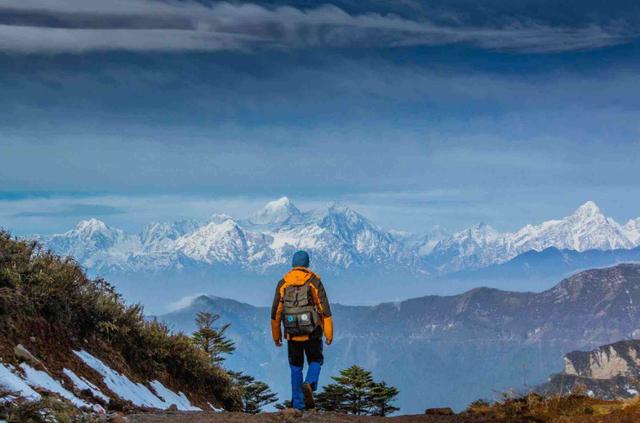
(308, 417)
(588, 415)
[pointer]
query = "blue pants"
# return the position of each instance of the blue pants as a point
(296, 351)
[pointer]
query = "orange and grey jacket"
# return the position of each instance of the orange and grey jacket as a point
(298, 276)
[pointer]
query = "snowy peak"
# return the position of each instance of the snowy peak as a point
(588, 210)
(632, 230)
(481, 234)
(275, 212)
(337, 236)
(158, 235)
(224, 242)
(90, 226)
(586, 229)
(88, 238)
(96, 232)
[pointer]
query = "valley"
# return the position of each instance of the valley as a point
(449, 350)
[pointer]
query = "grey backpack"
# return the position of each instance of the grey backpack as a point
(299, 314)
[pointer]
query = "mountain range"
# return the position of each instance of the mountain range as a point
(344, 245)
(448, 350)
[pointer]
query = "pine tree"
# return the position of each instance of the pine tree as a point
(211, 339)
(332, 398)
(254, 394)
(381, 396)
(355, 392)
(350, 394)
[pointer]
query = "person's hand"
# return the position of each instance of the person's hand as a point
(328, 341)
(278, 342)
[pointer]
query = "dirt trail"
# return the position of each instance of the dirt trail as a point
(618, 416)
(309, 417)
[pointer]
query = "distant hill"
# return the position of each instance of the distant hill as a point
(443, 351)
(539, 270)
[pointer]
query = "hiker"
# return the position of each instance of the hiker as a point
(301, 306)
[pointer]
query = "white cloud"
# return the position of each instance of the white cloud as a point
(80, 25)
(183, 302)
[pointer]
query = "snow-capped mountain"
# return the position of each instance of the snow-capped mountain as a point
(632, 230)
(342, 236)
(337, 237)
(158, 236)
(225, 243)
(475, 247)
(92, 241)
(586, 229)
(275, 213)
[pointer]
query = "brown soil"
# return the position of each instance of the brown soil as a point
(616, 416)
(308, 417)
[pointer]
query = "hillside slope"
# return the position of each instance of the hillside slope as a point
(64, 335)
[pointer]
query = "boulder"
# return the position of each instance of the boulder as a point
(118, 418)
(24, 354)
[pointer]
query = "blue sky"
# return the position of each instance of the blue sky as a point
(417, 113)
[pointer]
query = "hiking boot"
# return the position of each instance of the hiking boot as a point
(307, 390)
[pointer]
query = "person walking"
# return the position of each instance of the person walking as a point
(301, 307)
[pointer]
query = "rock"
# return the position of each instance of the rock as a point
(172, 408)
(444, 411)
(98, 409)
(118, 418)
(24, 354)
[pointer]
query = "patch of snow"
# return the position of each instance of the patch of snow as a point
(170, 397)
(590, 393)
(83, 384)
(632, 391)
(14, 383)
(121, 385)
(40, 379)
(219, 410)
(137, 393)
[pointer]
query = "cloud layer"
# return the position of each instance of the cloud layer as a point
(36, 26)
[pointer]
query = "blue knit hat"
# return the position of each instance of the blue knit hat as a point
(300, 259)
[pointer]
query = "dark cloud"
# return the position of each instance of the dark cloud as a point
(81, 25)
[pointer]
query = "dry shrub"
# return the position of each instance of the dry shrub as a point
(47, 410)
(533, 407)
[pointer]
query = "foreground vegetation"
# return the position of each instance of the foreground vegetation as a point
(48, 304)
(570, 408)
